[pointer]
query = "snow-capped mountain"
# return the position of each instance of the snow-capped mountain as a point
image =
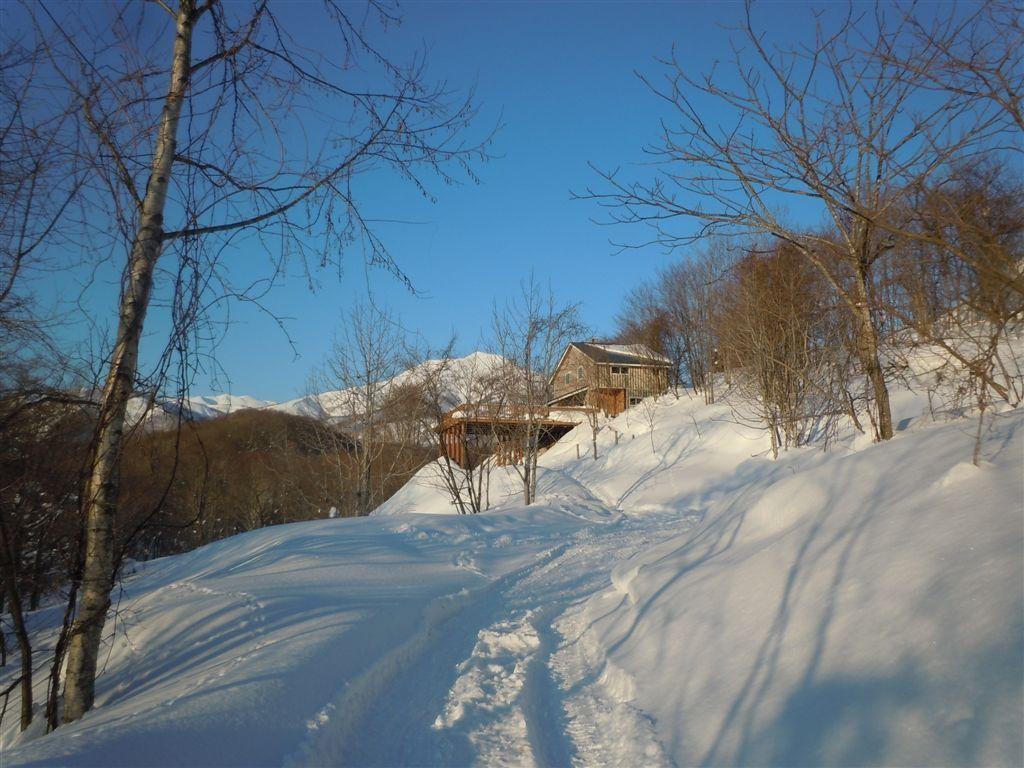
(165, 411)
(461, 381)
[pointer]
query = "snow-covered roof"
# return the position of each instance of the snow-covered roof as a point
(621, 354)
(499, 411)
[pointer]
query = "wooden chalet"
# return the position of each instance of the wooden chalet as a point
(474, 431)
(611, 377)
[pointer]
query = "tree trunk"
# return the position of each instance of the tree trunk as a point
(9, 560)
(366, 455)
(867, 352)
(534, 448)
(100, 496)
(57, 664)
(37, 566)
(3, 635)
(528, 467)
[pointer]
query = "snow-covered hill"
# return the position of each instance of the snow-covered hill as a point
(683, 599)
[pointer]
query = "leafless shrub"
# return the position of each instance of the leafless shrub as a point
(777, 328)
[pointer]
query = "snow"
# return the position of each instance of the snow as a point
(198, 408)
(864, 610)
(461, 375)
(636, 350)
(682, 599)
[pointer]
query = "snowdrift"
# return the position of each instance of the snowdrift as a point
(859, 609)
(682, 599)
(863, 605)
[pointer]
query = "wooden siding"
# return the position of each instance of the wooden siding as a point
(640, 381)
(571, 363)
(613, 391)
(467, 440)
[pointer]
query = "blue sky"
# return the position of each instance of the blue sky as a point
(561, 79)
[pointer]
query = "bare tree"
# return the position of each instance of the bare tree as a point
(39, 463)
(977, 55)
(673, 316)
(41, 455)
(366, 357)
(530, 333)
(691, 292)
(961, 294)
(644, 319)
(179, 113)
(453, 392)
(595, 380)
(780, 340)
(826, 124)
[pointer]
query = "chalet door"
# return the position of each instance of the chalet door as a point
(613, 401)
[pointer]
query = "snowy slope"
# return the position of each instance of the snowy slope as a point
(681, 600)
(865, 610)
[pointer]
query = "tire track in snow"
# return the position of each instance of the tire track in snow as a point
(485, 700)
(502, 675)
(527, 694)
(606, 729)
(384, 716)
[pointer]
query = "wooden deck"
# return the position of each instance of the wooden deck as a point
(474, 431)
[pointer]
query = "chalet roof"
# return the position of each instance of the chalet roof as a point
(620, 354)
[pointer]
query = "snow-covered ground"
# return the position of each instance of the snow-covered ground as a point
(681, 600)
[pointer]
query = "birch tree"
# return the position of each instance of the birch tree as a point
(208, 129)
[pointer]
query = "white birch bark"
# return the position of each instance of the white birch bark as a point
(101, 488)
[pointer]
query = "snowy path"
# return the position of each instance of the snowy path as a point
(506, 677)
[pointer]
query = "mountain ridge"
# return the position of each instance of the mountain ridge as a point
(460, 384)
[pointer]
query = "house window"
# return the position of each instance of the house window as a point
(579, 373)
(635, 401)
(618, 370)
(568, 377)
